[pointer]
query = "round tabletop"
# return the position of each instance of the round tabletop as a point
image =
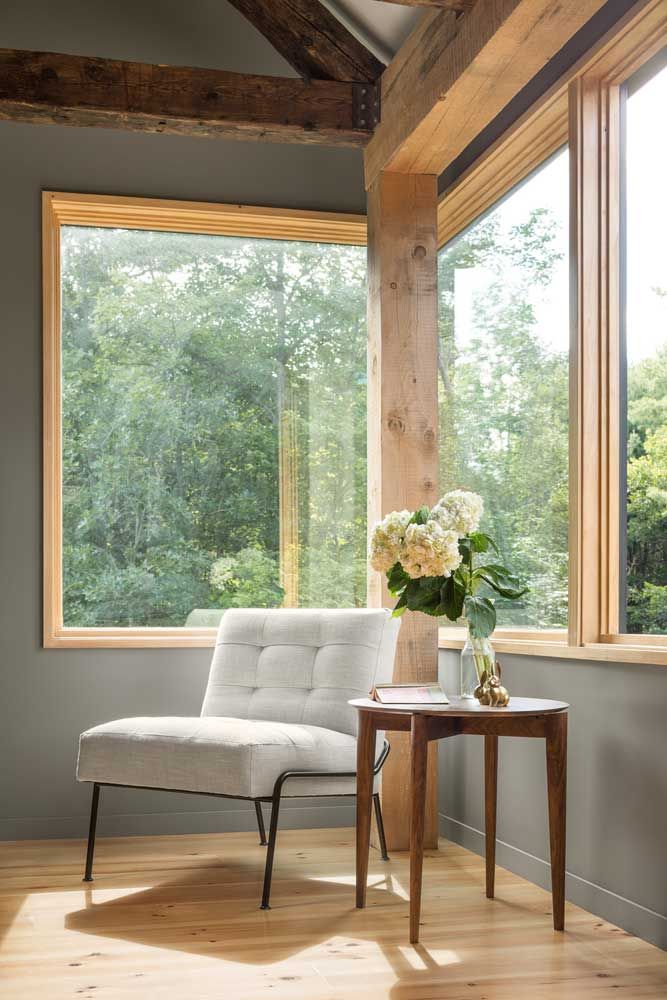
(461, 707)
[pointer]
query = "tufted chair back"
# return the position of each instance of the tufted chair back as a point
(299, 666)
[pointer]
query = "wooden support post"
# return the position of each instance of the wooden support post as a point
(403, 431)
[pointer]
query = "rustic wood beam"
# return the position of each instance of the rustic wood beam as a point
(311, 39)
(75, 90)
(403, 429)
(454, 74)
(460, 5)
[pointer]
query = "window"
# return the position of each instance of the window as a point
(644, 403)
(212, 424)
(503, 367)
(504, 363)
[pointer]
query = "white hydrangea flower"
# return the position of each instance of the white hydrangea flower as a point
(429, 550)
(459, 510)
(387, 539)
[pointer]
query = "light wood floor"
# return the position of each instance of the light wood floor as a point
(177, 918)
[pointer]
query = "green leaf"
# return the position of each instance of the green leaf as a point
(401, 605)
(452, 596)
(481, 542)
(397, 578)
(420, 516)
(503, 582)
(481, 615)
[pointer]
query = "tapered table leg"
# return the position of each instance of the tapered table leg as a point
(490, 798)
(365, 758)
(556, 741)
(419, 752)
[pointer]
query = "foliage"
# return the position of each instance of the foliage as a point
(182, 354)
(504, 427)
(504, 408)
(647, 496)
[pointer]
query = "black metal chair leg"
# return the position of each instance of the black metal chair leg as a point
(273, 833)
(260, 823)
(380, 826)
(88, 876)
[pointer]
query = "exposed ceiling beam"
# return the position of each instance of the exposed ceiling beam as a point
(311, 39)
(459, 5)
(75, 90)
(454, 74)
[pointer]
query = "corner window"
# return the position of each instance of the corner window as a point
(212, 427)
(643, 421)
(503, 382)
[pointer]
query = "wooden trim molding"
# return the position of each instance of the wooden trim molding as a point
(535, 137)
(610, 648)
(204, 217)
(60, 209)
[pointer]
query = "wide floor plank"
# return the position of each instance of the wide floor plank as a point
(176, 917)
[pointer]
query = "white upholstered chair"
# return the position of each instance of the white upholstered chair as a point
(275, 720)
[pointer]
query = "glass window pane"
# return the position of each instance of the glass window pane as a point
(645, 346)
(504, 345)
(214, 426)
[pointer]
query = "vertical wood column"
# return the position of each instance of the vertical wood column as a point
(403, 432)
(595, 451)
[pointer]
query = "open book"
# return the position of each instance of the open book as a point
(409, 694)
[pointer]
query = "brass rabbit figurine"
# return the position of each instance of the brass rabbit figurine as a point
(490, 690)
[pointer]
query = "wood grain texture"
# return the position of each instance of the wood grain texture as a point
(177, 917)
(311, 39)
(589, 246)
(418, 762)
(490, 809)
(365, 758)
(457, 5)
(465, 708)
(60, 89)
(556, 748)
(403, 425)
(431, 723)
(453, 75)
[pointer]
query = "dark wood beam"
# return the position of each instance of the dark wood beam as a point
(75, 90)
(311, 39)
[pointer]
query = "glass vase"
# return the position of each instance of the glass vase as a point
(477, 656)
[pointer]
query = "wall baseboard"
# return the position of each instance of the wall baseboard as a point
(237, 820)
(624, 913)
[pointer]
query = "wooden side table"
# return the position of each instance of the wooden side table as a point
(522, 717)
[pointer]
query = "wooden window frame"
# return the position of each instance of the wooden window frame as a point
(583, 109)
(60, 209)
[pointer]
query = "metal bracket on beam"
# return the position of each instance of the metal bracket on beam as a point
(365, 105)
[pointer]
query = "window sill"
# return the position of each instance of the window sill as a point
(130, 638)
(551, 644)
(546, 644)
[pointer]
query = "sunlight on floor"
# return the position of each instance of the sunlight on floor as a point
(174, 917)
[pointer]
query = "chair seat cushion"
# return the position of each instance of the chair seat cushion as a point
(226, 756)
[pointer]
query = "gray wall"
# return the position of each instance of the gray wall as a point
(47, 697)
(618, 743)
(617, 787)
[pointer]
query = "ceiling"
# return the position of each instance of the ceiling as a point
(382, 27)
